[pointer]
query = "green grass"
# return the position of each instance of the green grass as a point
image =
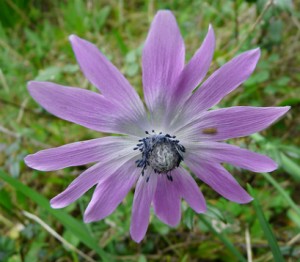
(34, 45)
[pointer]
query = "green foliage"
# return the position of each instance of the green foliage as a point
(77, 228)
(266, 229)
(225, 240)
(34, 46)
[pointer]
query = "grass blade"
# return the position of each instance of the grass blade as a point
(224, 239)
(291, 203)
(266, 228)
(52, 232)
(70, 223)
(290, 166)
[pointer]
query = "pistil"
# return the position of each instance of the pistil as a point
(161, 152)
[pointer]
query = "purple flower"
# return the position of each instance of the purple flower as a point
(157, 144)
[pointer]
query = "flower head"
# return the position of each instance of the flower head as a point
(176, 128)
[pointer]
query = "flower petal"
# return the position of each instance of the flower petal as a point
(162, 59)
(105, 76)
(218, 178)
(189, 190)
(231, 122)
(226, 153)
(110, 192)
(89, 178)
(219, 84)
(83, 107)
(143, 196)
(166, 200)
(79, 153)
(195, 70)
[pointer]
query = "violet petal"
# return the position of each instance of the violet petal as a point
(89, 178)
(79, 153)
(226, 153)
(232, 122)
(219, 179)
(83, 107)
(105, 76)
(189, 190)
(195, 70)
(167, 200)
(143, 196)
(162, 59)
(219, 84)
(110, 192)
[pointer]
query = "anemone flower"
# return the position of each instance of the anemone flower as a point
(156, 145)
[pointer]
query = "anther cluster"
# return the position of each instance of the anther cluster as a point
(162, 152)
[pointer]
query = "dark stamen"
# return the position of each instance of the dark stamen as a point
(170, 178)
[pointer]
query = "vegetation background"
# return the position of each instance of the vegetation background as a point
(34, 45)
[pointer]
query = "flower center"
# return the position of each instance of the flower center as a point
(161, 152)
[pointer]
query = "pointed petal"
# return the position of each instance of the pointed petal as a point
(162, 59)
(79, 153)
(89, 178)
(226, 153)
(143, 196)
(221, 83)
(232, 122)
(105, 76)
(73, 104)
(219, 179)
(83, 107)
(110, 192)
(166, 200)
(189, 190)
(195, 70)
